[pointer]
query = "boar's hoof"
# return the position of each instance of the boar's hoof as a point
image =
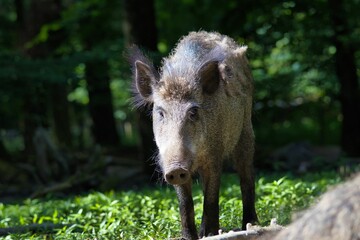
(177, 176)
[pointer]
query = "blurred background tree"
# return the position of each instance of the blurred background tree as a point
(63, 74)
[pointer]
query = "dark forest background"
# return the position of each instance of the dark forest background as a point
(66, 119)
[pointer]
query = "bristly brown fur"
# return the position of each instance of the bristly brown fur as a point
(132, 55)
(186, 68)
(178, 83)
(215, 55)
(176, 88)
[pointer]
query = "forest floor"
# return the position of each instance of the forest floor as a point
(151, 212)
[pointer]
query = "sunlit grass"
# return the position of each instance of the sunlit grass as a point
(152, 213)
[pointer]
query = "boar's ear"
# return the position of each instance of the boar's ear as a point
(144, 79)
(144, 76)
(210, 77)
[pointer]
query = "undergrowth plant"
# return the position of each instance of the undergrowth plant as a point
(152, 213)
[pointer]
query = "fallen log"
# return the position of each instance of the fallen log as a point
(238, 235)
(252, 232)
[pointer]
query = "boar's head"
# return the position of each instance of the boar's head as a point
(176, 94)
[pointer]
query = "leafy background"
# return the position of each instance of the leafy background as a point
(74, 151)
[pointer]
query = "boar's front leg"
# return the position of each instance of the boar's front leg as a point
(186, 206)
(211, 185)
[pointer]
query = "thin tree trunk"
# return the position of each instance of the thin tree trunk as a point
(30, 118)
(60, 114)
(140, 23)
(97, 76)
(40, 12)
(3, 151)
(140, 28)
(100, 105)
(34, 116)
(59, 91)
(349, 85)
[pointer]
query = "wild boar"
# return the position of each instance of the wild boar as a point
(201, 101)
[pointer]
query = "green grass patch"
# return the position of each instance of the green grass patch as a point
(152, 213)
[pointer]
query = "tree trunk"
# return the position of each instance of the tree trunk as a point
(59, 90)
(29, 121)
(346, 74)
(140, 28)
(100, 102)
(3, 151)
(38, 13)
(97, 75)
(60, 114)
(34, 115)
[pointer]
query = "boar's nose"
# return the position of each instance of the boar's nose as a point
(177, 176)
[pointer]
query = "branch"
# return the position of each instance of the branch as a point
(39, 228)
(70, 182)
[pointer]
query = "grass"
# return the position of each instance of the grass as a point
(152, 213)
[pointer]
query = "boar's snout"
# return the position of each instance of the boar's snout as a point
(177, 176)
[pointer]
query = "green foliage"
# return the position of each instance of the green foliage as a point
(292, 56)
(283, 196)
(152, 213)
(290, 43)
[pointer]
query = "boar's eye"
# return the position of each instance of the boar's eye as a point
(160, 113)
(193, 113)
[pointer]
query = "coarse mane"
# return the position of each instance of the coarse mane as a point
(177, 88)
(189, 58)
(180, 77)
